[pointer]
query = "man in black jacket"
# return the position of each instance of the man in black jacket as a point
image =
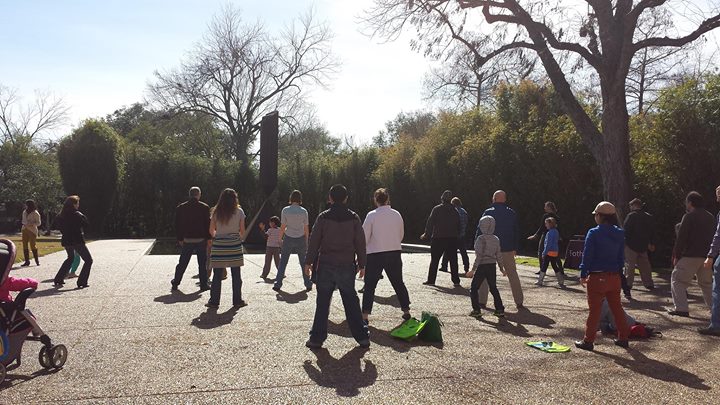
(443, 228)
(192, 226)
(337, 241)
(639, 230)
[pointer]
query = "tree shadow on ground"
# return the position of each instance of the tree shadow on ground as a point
(658, 370)
(211, 319)
(346, 374)
(527, 317)
(178, 296)
(391, 301)
(293, 298)
(505, 326)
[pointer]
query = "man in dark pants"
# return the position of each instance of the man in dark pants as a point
(192, 226)
(337, 240)
(462, 245)
(443, 226)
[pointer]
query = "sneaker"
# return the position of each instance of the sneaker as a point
(476, 313)
(276, 288)
(582, 344)
(364, 344)
(499, 314)
(406, 316)
(622, 343)
(212, 306)
(685, 314)
(627, 295)
(240, 304)
(313, 345)
(709, 331)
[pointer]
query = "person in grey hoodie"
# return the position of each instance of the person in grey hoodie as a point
(487, 253)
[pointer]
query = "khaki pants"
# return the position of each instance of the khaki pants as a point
(28, 237)
(682, 275)
(513, 278)
(640, 260)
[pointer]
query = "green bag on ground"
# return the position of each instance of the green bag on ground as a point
(432, 331)
(549, 347)
(408, 329)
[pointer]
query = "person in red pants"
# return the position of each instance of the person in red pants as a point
(600, 272)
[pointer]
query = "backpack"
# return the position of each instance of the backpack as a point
(408, 329)
(432, 331)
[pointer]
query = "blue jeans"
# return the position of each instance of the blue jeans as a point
(715, 310)
(292, 246)
(200, 249)
(216, 286)
(343, 278)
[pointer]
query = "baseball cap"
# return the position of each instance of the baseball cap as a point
(605, 208)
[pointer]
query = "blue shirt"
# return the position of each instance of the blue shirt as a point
(506, 226)
(552, 241)
(463, 220)
(604, 250)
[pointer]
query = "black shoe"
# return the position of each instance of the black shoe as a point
(365, 344)
(276, 288)
(684, 314)
(537, 272)
(429, 283)
(308, 289)
(650, 287)
(26, 264)
(456, 285)
(212, 306)
(173, 286)
(205, 288)
(443, 270)
(81, 286)
(362, 290)
(483, 306)
(366, 322)
(582, 344)
(240, 304)
(58, 284)
(622, 343)
(313, 345)
(406, 316)
(627, 295)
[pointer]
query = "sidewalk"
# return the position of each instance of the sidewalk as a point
(131, 340)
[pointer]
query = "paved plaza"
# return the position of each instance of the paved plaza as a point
(131, 340)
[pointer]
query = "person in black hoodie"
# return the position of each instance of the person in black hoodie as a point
(71, 223)
(639, 230)
(443, 227)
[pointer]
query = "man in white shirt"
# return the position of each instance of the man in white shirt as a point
(384, 231)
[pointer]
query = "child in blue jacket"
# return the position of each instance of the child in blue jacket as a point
(551, 253)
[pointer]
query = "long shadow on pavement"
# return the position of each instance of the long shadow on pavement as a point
(503, 325)
(345, 374)
(178, 297)
(453, 291)
(527, 317)
(211, 319)
(391, 300)
(293, 298)
(658, 370)
(381, 337)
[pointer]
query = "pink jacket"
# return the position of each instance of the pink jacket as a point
(15, 284)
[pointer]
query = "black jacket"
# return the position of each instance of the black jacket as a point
(337, 238)
(71, 225)
(443, 222)
(192, 220)
(696, 234)
(639, 228)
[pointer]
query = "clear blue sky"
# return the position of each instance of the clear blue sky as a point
(99, 55)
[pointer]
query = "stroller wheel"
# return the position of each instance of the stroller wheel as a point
(58, 356)
(44, 357)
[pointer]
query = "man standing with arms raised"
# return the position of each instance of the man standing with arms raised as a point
(506, 229)
(192, 227)
(337, 242)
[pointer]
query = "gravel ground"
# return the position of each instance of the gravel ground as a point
(131, 340)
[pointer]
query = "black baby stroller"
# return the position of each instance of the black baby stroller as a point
(17, 323)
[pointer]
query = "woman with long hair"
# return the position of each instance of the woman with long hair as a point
(71, 223)
(227, 227)
(30, 223)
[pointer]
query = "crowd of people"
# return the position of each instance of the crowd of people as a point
(340, 247)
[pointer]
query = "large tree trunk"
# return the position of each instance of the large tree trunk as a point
(615, 168)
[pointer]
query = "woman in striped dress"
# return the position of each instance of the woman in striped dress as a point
(227, 226)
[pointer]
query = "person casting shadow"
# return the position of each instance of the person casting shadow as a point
(658, 370)
(345, 374)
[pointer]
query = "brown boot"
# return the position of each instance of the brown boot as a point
(36, 256)
(26, 253)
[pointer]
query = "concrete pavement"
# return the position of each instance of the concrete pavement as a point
(131, 340)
